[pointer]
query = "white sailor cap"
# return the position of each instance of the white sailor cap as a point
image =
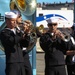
(10, 15)
(52, 20)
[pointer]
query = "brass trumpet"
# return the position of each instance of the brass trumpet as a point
(64, 35)
(67, 36)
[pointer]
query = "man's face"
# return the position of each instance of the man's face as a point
(52, 27)
(19, 19)
(11, 23)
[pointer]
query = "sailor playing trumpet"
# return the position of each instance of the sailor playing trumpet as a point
(55, 46)
(23, 27)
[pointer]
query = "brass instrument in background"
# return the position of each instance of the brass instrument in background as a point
(41, 28)
(27, 7)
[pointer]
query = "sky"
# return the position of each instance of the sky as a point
(52, 1)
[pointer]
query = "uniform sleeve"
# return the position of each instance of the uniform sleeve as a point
(67, 46)
(25, 41)
(45, 42)
(6, 39)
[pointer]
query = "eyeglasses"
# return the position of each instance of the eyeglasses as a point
(52, 24)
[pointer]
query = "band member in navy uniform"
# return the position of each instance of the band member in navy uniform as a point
(70, 58)
(54, 44)
(27, 64)
(12, 40)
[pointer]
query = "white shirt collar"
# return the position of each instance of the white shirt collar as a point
(14, 31)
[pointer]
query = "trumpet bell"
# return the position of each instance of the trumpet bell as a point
(41, 28)
(67, 36)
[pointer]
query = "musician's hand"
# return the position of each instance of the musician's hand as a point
(27, 29)
(59, 34)
(27, 26)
